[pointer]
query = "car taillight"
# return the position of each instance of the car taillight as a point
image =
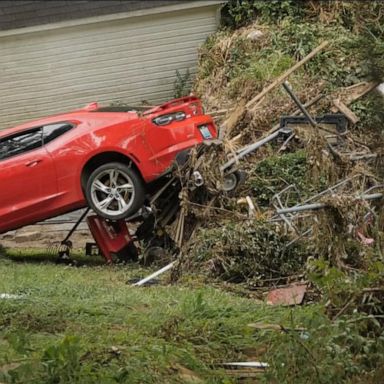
(168, 118)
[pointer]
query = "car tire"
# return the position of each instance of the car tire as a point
(115, 191)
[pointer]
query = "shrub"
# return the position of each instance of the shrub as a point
(237, 13)
(250, 250)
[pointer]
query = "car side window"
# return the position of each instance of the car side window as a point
(52, 131)
(20, 143)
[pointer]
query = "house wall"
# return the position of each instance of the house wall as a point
(128, 60)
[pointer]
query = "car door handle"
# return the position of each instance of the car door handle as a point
(33, 163)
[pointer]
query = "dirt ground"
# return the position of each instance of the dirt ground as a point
(48, 233)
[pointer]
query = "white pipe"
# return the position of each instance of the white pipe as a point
(155, 274)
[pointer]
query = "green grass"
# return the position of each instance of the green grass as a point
(88, 325)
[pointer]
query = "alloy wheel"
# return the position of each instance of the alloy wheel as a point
(112, 192)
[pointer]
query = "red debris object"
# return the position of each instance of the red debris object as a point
(364, 240)
(291, 295)
(112, 238)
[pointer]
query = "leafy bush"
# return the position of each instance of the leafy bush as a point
(296, 39)
(241, 12)
(371, 112)
(370, 45)
(247, 250)
(255, 70)
(262, 70)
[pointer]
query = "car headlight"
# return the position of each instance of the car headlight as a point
(168, 118)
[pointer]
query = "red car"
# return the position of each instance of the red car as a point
(101, 157)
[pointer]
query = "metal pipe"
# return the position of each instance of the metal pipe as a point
(299, 104)
(328, 190)
(242, 149)
(300, 208)
(297, 112)
(250, 148)
(81, 218)
(314, 197)
(314, 206)
(363, 157)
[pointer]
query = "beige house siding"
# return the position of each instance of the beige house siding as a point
(128, 59)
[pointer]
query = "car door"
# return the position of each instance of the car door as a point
(27, 178)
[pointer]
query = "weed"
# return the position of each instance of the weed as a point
(325, 353)
(61, 361)
(182, 84)
(118, 334)
(371, 112)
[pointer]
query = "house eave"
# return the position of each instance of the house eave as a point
(110, 17)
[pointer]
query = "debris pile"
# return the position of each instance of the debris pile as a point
(292, 189)
(208, 203)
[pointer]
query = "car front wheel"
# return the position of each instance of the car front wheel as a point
(115, 191)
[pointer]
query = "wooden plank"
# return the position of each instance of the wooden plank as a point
(244, 373)
(354, 92)
(346, 111)
(219, 112)
(286, 74)
(359, 91)
(232, 120)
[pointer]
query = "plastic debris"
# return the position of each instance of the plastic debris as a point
(10, 296)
